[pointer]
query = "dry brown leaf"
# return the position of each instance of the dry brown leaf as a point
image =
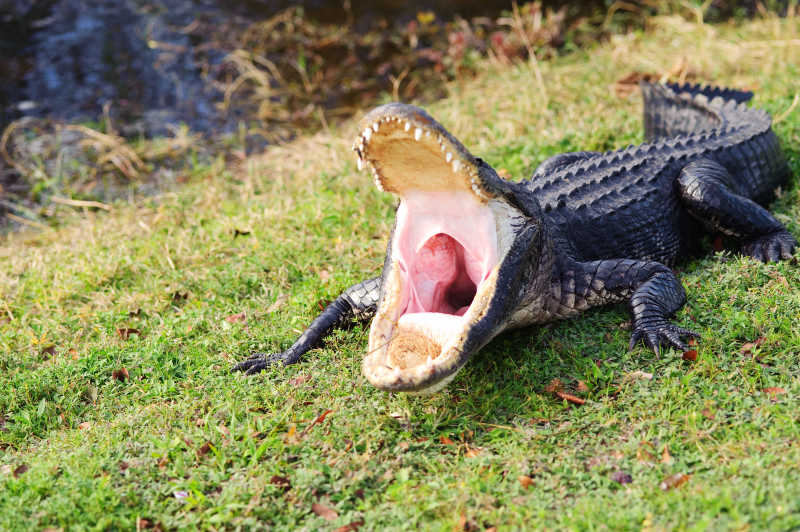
(126, 332)
(666, 458)
(224, 430)
(85, 425)
(525, 481)
(621, 477)
(644, 455)
(582, 388)
(317, 421)
(120, 374)
(774, 391)
(329, 514)
(690, 355)
(236, 318)
(708, 413)
(281, 482)
(20, 470)
(570, 398)
(162, 463)
(471, 452)
(48, 351)
(204, 449)
(123, 465)
(350, 527)
(444, 440)
(673, 481)
(300, 379)
(554, 386)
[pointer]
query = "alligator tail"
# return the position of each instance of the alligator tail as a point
(682, 109)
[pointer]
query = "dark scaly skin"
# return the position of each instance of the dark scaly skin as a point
(608, 225)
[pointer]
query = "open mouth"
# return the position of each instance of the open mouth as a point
(448, 241)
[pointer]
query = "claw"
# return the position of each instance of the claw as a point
(258, 362)
(661, 333)
(772, 247)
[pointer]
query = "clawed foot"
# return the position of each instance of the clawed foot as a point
(258, 362)
(657, 333)
(772, 247)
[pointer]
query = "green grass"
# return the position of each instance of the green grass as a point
(184, 444)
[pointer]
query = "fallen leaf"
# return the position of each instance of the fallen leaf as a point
(324, 275)
(467, 525)
(674, 481)
(351, 527)
(85, 425)
(471, 452)
(300, 379)
(525, 481)
(126, 332)
(48, 351)
(621, 477)
(629, 83)
(571, 398)
(120, 374)
(690, 355)
(747, 347)
(20, 470)
(123, 465)
(204, 449)
(774, 391)
(554, 386)
(643, 455)
(236, 318)
(329, 514)
(666, 458)
(162, 463)
(73, 353)
(281, 482)
(444, 440)
(317, 421)
(582, 387)
(707, 413)
(224, 430)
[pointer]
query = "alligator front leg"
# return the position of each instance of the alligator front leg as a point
(358, 302)
(706, 191)
(655, 295)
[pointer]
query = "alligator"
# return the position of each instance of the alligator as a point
(472, 254)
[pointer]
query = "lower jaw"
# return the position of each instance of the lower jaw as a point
(421, 349)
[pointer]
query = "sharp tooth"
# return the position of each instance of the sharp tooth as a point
(417, 134)
(448, 157)
(367, 134)
(407, 126)
(375, 127)
(456, 165)
(360, 164)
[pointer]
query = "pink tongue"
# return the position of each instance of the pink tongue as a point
(433, 271)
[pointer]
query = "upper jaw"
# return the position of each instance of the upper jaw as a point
(406, 149)
(417, 345)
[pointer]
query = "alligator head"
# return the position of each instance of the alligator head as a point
(465, 248)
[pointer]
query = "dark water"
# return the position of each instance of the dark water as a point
(155, 62)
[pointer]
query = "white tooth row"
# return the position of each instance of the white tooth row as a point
(366, 135)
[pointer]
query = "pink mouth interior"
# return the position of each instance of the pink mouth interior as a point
(446, 245)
